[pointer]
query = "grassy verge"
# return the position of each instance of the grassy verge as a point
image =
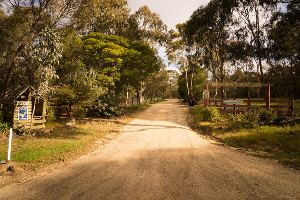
(56, 143)
(60, 143)
(281, 143)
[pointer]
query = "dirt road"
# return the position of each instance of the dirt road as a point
(159, 157)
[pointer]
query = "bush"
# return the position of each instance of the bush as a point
(51, 114)
(105, 107)
(241, 121)
(3, 127)
(266, 116)
(248, 119)
(209, 114)
(280, 118)
(257, 116)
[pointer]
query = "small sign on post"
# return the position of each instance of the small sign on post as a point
(9, 144)
(206, 96)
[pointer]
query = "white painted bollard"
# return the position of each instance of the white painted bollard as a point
(9, 144)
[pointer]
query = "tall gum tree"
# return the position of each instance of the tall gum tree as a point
(206, 29)
(104, 16)
(20, 29)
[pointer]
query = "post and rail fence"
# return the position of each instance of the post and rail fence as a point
(236, 106)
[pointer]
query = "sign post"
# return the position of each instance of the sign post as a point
(206, 96)
(9, 144)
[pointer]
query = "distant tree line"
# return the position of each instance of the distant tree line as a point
(240, 41)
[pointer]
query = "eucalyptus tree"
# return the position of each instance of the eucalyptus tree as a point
(104, 16)
(250, 20)
(284, 39)
(157, 85)
(147, 27)
(183, 54)
(140, 63)
(28, 35)
(207, 30)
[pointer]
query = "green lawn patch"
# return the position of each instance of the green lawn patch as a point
(57, 143)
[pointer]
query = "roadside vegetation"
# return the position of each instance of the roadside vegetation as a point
(266, 133)
(60, 142)
(89, 60)
(243, 42)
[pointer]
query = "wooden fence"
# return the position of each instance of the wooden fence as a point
(245, 105)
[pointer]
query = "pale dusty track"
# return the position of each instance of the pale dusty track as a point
(159, 157)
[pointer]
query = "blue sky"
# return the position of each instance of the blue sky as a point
(172, 12)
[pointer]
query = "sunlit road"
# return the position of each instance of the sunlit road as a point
(159, 157)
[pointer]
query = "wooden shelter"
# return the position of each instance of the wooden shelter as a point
(30, 110)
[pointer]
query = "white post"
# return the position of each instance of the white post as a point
(9, 144)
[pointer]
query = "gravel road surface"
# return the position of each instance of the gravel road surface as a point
(158, 156)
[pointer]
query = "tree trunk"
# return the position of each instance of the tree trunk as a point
(127, 96)
(138, 97)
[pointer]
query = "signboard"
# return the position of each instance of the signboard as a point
(243, 85)
(23, 113)
(23, 103)
(205, 94)
(233, 102)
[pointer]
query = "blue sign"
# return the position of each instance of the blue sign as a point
(23, 113)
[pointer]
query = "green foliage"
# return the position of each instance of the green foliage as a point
(241, 121)
(198, 84)
(280, 118)
(64, 98)
(105, 16)
(104, 107)
(147, 26)
(157, 85)
(3, 127)
(105, 54)
(51, 113)
(257, 117)
(267, 117)
(209, 114)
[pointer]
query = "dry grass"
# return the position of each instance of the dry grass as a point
(61, 143)
(57, 143)
(281, 143)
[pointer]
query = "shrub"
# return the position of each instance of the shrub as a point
(3, 127)
(241, 121)
(266, 116)
(257, 116)
(248, 119)
(209, 114)
(280, 118)
(105, 107)
(51, 114)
